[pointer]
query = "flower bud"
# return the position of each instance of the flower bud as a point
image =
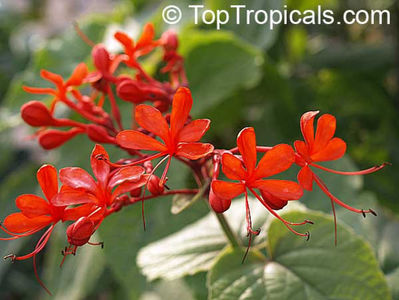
(219, 205)
(130, 90)
(52, 138)
(36, 114)
(101, 58)
(169, 40)
(136, 192)
(154, 187)
(99, 134)
(79, 233)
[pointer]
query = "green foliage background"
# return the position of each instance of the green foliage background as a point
(239, 76)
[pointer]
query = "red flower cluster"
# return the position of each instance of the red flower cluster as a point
(86, 201)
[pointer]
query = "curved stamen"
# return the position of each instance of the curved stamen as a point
(137, 162)
(285, 222)
(362, 172)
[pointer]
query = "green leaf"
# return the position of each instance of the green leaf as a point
(393, 282)
(259, 35)
(181, 202)
(296, 269)
(218, 64)
(195, 248)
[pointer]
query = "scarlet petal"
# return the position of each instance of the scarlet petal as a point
(132, 173)
(276, 160)
(194, 131)
(101, 58)
(305, 178)
(132, 139)
(32, 206)
(307, 127)
(54, 78)
(219, 205)
(125, 40)
(100, 167)
(325, 131)
(77, 178)
(47, 178)
(282, 189)
(70, 196)
(227, 190)
(129, 186)
(335, 149)
(72, 214)
(78, 75)
(181, 106)
(152, 120)
(34, 90)
(147, 36)
(194, 151)
(246, 142)
(19, 223)
(302, 149)
(232, 167)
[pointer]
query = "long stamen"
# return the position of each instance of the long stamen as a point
(114, 108)
(250, 231)
(285, 222)
(362, 172)
(165, 171)
(145, 187)
(83, 36)
(324, 188)
(137, 162)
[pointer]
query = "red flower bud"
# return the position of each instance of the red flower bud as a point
(53, 138)
(219, 205)
(99, 134)
(79, 233)
(169, 40)
(101, 58)
(136, 192)
(130, 90)
(154, 187)
(36, 114)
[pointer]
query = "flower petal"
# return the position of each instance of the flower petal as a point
(227, 190)
(54, 78)
(78, 75)
(307, 128)
(194, 130)
(275, 161)
(132, 139)
(70, 196)
(282, 189)
(129, 186)
(47, 178)
(274, 202)
(335, 149)
(181, 106)
(194, 151)
(326, 125)
(19, 223)
(72, 214)
(246, 142)
(232, 167)
(302, 149)
(78, 178)
(130, 174)
(99, 166)
(126, 41)
(152, 120)
(33, 206)
(305, 178)
(219, 205)
(147, 36)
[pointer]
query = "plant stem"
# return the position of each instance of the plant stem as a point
(227, 231)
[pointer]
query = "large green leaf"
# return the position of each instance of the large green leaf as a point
(218, 64)
(296, 269)
(195, 248)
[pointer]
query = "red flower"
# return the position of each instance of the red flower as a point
(178, 139)
(62, 87)
(38, 213)
(144, 45)
(275, 193)
(323, 146)
(79, 187)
